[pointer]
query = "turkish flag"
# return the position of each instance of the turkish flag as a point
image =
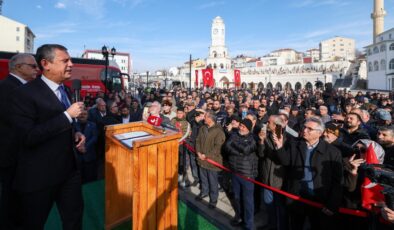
(154, 120)
(237, 77)
(196, 77)
(208, 77)
(371, 193)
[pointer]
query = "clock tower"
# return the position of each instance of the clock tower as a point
(218, 57)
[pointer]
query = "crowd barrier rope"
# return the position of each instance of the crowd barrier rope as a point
(315, 204)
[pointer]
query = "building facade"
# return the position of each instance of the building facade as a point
(290, 56)
(337, 48)
(122, 60)
(380, 62)
(15, 36)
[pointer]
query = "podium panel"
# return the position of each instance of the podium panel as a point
(141, 176)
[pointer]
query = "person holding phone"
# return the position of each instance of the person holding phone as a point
(315, 172)
(272, 173)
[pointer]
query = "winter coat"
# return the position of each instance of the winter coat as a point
(209, 142)
(241, 152)
(272, 172)
(326, 163)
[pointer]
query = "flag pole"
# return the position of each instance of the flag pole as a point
(190, 76)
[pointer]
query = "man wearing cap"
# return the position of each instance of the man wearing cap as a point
(241, 150)
(383, 118)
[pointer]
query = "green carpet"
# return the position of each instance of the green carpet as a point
(93, 218)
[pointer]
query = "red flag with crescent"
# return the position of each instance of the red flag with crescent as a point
(208, 77)
(196, 77)
(237, 77)
(371, 193)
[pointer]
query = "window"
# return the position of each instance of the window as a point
(383, 64)
(17, 29)
(375, 50)
(392, 46)
(370, 67)
(221, 65)
(389, 36)
(17, 38)
(376, 66)
(369, 52)
(391, 65)
(382, 48)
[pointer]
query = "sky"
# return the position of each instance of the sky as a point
(160, 34)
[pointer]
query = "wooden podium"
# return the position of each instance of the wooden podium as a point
(141, 181)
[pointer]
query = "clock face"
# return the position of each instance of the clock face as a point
(215, 31)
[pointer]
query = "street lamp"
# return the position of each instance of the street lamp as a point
(147, 79)
(106, 54)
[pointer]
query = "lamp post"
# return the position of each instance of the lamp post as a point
(147, 79)
(106, 54)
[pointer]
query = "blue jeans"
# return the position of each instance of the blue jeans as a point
(276, 210)
(209, 184)
(246, 189)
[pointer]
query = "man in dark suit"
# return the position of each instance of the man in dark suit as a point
(23, 68)
(46, 165)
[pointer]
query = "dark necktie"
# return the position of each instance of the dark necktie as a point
(63, 97)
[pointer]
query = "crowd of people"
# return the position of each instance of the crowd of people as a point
(310, 143)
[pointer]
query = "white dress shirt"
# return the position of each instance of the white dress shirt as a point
(55, 88)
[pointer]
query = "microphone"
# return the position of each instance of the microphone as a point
(169, 126)
(76, 87)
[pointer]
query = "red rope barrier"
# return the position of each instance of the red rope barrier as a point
(347, 211)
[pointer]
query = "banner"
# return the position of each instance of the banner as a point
(237, 78)
(196, 71)
(207, 76)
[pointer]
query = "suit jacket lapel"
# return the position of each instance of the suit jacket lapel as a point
(49, 95)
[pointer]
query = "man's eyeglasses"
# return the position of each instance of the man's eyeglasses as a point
(34, 66)
(263, 111)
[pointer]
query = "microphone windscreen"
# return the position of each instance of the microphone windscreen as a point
(76, 84)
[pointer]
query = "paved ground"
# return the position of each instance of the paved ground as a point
(224, 212)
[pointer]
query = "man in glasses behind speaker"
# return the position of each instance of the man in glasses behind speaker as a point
(23, 68)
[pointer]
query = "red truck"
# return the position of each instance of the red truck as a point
(91, 72)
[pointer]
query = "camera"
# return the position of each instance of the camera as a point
(358, 150)
(384, 176)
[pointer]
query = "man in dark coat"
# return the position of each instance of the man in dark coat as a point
(47, 172)
(315, 172)
(208, 145)
(241, 150)
(23, 68)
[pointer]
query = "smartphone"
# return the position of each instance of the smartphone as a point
(264, 128)
(278, 131)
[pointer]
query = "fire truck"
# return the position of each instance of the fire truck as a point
(91, 72)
